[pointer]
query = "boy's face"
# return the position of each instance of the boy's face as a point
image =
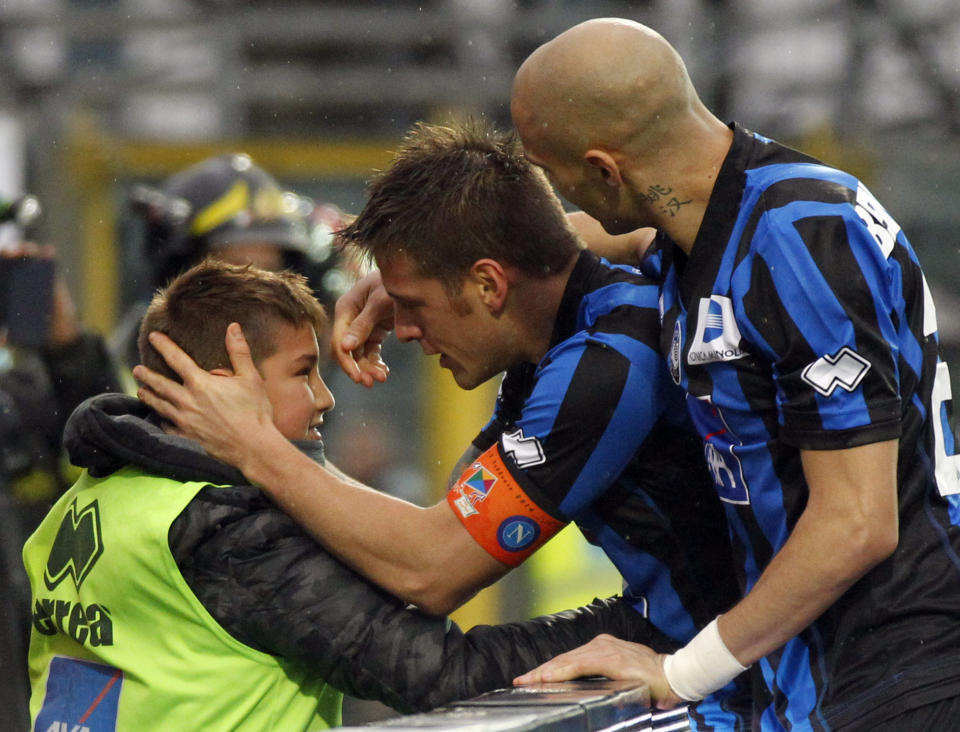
(291, 376)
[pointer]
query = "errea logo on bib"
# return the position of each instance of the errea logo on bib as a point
(718, 337)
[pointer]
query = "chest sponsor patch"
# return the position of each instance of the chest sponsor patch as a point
(720, 451)
(81, 697)
(497, 512)
(718, 337)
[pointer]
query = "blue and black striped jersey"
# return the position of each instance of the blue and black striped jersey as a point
(596, 433)
(801, 320)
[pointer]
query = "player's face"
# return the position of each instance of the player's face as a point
(291, 376)
(458, 328)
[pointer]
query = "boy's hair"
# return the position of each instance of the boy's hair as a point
(196, 308)
(455, 194)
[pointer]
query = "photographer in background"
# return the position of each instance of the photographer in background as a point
(48, 364)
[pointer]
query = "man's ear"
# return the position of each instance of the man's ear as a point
(606, 164)
(491, 277)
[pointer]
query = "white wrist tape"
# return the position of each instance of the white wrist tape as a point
(702, 666)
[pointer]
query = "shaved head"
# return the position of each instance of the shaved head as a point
(608, 110)
(608, 83)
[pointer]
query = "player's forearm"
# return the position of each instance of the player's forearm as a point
(392, 542)
(813, 569)
(849, 525)
(822, 559)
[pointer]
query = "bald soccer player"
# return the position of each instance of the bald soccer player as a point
(797, 319)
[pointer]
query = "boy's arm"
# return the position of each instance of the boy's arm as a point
(289, 598)
(423, 555)
(441, 664)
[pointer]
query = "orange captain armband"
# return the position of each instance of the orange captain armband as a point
(497, 512)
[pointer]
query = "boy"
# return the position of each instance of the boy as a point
(170, 593)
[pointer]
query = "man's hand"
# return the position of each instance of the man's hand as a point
(629, 248)
(362, 319)
(611, 657)
(226, 413)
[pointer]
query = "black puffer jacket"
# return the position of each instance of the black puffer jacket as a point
(273, 588)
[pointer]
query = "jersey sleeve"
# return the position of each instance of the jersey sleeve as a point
(822, 303)
(514, 386)
(590, 406)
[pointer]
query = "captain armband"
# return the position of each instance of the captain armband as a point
(497, 512)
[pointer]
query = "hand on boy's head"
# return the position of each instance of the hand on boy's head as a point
(363, 317)
(227, 415)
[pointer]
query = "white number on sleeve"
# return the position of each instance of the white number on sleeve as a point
(881, 224)
(947, 466)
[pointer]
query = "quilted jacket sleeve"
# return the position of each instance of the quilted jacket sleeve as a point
(273, 588)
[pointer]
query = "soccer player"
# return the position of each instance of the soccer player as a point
(484, 271)
(797, 319)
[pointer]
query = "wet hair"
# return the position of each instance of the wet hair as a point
(196, 308)
(458, 193)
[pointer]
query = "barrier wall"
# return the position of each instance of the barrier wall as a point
(574, 706)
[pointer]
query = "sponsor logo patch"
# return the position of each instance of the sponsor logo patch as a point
(87, 625)
(474, 486)
(77, 546)
(525, 451)
(845, 368)
(81, 697)
(718, 337)
(676, 351)
(720, 451)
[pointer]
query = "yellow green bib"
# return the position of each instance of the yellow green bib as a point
(120, 642)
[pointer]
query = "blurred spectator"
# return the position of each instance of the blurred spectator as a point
(231, 207)
(46, 369)
(48, 365)
(14, 608)
(374, 453)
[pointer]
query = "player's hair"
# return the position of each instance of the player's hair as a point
(458, 193)
(196, 308)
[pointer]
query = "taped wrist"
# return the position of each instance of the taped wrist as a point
(702, 666)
